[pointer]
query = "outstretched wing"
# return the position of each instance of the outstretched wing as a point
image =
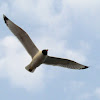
(22, 36)
(64, 63)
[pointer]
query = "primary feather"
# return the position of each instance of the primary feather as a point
(22, 36)
(63, 63)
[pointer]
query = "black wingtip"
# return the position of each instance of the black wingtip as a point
(5, 19)
(85, 67)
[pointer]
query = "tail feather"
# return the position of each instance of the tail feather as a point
(30, 69)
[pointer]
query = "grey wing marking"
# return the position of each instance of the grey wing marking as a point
(64, 63)
(22, 36)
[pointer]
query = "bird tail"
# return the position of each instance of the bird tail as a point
(30, 68)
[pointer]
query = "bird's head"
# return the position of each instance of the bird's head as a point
(45, 51)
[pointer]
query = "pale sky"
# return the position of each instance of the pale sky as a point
(69, 29)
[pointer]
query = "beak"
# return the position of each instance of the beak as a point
(46, 49)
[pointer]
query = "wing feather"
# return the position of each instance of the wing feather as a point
(22, 36)
(64, 63)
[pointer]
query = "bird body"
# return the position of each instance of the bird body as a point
(37, 60)
(39, 57)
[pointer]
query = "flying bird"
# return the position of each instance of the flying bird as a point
(39, 57)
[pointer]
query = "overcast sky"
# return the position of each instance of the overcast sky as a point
(69, 29)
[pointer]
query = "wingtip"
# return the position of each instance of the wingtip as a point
(5, 18)
(3, 15)
(85, 67)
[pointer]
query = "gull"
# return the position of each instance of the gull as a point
(39, 56)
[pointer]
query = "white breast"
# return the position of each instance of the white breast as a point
(37, 60)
